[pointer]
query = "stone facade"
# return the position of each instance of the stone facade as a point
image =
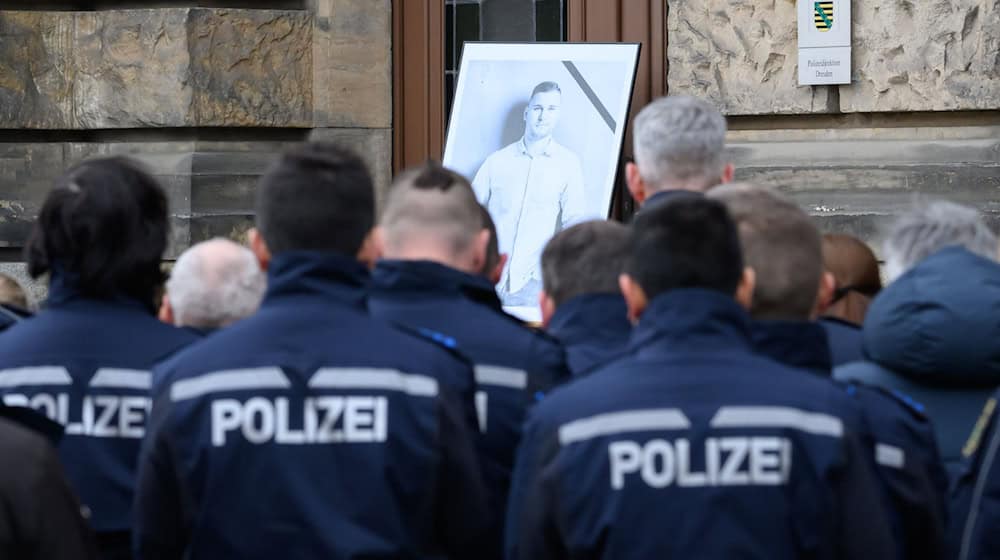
(205, 98)
(856, 154)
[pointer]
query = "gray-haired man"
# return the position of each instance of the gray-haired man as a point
(213, 284)
(679, 145)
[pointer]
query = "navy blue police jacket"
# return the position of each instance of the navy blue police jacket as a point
(311, 430)
(899, 438)
(932, 335)
(86, 364)
(975, 499)
(592, 328)
(513, 364)
(694, 446)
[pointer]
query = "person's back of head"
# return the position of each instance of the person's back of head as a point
(583, 259)
(431, 213)
(679, 144)
(316, 197)
(102, 231)
(930, 227)
(213, 284)
(856, 276)
(782, 246)
(686, 243)
(495, 261)
(12, 294)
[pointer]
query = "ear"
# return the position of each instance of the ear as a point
(635, 297)
(497, 271)
(259, 248)
(634, 181)
(166, 312)
(372, 248)
(824, 294)
(744, 291)
(728, 172)
(548, 307)
(479, 248)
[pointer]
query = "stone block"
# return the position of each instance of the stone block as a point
(853, 182)
(924, 56)
(250, 67)
(352, 63)
(742, 56)
(132, 69)
(168, 67)
(36, 69)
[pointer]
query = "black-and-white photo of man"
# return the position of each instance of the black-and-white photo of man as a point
(533, 188)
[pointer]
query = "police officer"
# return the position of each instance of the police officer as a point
(975, 499)
(783, 247)
(581, 304)
(434, 245)
(692, 446)
(311, 430)
(85, 359)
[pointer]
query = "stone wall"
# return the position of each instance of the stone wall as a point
(205, 97)
(919, 119)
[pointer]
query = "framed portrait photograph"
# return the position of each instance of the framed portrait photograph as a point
(538, 129)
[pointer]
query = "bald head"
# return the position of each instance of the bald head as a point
(213, 284)
(432, 214)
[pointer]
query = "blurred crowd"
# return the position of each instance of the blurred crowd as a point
(715, 379)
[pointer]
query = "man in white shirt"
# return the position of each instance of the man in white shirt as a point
(533, 188)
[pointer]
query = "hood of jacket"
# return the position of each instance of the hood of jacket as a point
(939, 323)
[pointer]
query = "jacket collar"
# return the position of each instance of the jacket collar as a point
(669, 195)
(316, 273)
(63, 292)
(693, 319)
(800, 344)
(591, 316)
(427, 277)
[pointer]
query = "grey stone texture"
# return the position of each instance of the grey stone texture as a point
(907, 56)
(171, 67)
(924, 56)
(352, 63)
(742, 56)
(854, 180)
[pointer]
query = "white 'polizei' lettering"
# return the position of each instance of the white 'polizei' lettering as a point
(100, 415)
(727, 461)
(325, 419)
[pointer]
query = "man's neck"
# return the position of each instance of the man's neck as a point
(428, 253)
(535, 146)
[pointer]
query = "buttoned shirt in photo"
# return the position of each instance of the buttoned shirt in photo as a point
(530, 198)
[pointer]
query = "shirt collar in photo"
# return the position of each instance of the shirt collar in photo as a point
(545, 149)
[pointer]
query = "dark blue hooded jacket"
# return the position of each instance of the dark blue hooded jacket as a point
(899, 438)
(694, 446)
(845, 340)
(592, 328)
(86, 364)
(933, 335)
(311, 430)
(513, 364)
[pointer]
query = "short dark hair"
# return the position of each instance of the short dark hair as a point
(493, 247)
(545, 87)
(782, 245)
(316, 197)
(584, 259)
(104, 228)
(690, 242)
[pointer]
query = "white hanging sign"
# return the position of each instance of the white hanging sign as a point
(824, 42)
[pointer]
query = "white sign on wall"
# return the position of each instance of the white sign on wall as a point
(824, 42)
